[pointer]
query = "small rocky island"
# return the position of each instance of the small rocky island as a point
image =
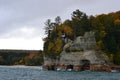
(80, 54)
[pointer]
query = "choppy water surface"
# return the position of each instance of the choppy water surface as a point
(35, 73)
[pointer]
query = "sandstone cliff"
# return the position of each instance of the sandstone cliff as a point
(81, 49)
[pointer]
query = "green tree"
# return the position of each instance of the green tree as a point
(48, 26)
(58, 21)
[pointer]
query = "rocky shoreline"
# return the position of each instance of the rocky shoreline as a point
(104, 68)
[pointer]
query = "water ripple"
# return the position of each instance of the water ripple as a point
(35, 73)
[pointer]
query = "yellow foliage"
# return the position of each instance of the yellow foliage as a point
(103, 33)
(50, 46)
(59, 33)
(66, 29)
(100, 44)
(111, 57)
(58, 45)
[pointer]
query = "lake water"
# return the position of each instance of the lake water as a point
(35, 73)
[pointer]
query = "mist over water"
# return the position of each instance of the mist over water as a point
(35, 73)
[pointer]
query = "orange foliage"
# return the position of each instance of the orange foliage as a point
(32, 55)
(117, 21)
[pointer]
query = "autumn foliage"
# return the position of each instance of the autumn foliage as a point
(105, 26)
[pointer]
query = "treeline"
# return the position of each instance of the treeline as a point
(21, 57)
(105, 26)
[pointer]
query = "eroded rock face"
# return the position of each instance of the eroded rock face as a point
(77, 58)
(80, 53)
(83, 48)
(86, 42)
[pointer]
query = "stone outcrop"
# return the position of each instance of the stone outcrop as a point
(78, 58)
(83, 48)
(86, 42)
(81, 54)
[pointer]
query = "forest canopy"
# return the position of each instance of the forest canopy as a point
(105, 26)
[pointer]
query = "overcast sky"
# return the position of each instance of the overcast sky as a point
(22, 21)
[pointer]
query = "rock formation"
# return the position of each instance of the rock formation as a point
(80, 54)
(83, 48)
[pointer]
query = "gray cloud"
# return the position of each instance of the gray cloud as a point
(16, 15)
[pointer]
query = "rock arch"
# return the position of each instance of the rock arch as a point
(85, 64)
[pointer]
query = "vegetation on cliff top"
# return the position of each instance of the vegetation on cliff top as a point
(106, 27)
